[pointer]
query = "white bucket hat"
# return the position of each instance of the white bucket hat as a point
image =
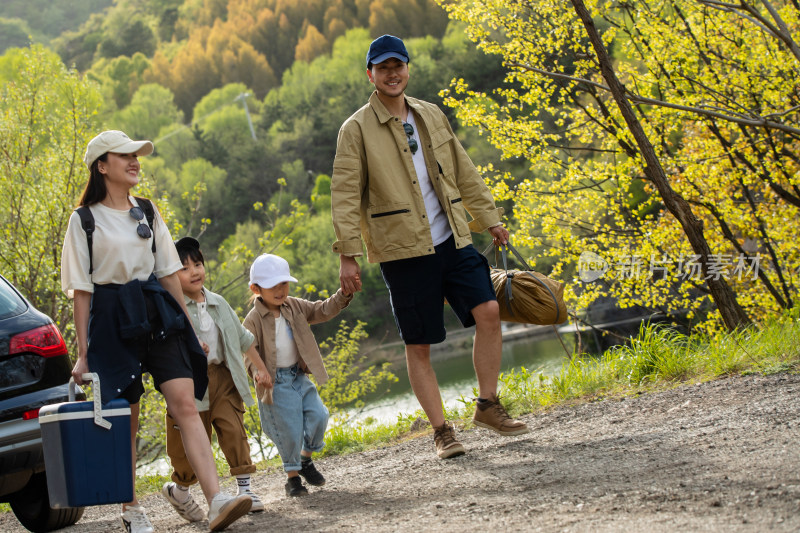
(117, 142)
(268, 270)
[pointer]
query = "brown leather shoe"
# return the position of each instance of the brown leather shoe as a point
(444, 437)
(492, 415)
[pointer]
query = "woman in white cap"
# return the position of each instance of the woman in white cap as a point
(120, 266)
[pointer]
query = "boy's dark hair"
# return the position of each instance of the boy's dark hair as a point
(189, 250)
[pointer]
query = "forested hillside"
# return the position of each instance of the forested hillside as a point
(244, 99)
(42, 20)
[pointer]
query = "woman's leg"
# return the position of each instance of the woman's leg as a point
(179, 394)
(182, 472)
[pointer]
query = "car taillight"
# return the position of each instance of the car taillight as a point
(45, 341)
(31, 415)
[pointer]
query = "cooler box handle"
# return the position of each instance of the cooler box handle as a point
(98, 404)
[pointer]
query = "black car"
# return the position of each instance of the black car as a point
(34, 371)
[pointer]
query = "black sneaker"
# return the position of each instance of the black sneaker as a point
(311, 474)
(294, 487)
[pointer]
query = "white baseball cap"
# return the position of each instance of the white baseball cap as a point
(268, 270)
(117, 142)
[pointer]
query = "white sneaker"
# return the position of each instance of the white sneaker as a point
(258, 505)
(189, 510)
(135, 520)
(225, 509)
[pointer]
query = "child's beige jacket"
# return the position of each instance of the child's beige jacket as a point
(300, 314)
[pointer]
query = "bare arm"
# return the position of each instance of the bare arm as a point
(173, 286)
(80, 312)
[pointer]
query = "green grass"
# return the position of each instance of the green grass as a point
(658, 358)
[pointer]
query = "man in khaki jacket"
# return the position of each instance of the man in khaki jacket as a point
(403, 182)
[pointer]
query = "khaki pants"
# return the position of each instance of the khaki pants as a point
(226, 415)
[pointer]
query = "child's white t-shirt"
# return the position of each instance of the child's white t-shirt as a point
(285, 347)
(208, 332)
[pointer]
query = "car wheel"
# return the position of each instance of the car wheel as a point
(32, 508)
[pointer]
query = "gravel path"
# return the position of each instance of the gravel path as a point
(718, 456)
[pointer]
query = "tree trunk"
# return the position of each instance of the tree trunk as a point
(732, 313)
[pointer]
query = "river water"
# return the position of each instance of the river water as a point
(538, 349)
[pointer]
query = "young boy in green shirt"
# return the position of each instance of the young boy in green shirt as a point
(224, 340)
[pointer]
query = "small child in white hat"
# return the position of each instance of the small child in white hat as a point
(292, 413)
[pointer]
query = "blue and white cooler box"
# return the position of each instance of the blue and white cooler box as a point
(87, 450)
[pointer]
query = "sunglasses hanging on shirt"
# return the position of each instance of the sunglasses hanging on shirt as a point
(143, 230)
(412, 142)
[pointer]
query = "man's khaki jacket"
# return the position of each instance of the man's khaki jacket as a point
(374, 189)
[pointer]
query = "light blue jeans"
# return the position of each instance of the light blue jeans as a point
(297, 418)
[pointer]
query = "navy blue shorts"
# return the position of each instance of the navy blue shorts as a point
(418, 287)
(165, 359)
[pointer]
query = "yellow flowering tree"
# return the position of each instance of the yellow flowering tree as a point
(713, 86)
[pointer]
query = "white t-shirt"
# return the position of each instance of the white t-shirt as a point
(285, 347)
(208, 332)
(440, 226)
(119, 255)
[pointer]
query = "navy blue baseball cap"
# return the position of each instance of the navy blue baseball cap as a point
(384, 47)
